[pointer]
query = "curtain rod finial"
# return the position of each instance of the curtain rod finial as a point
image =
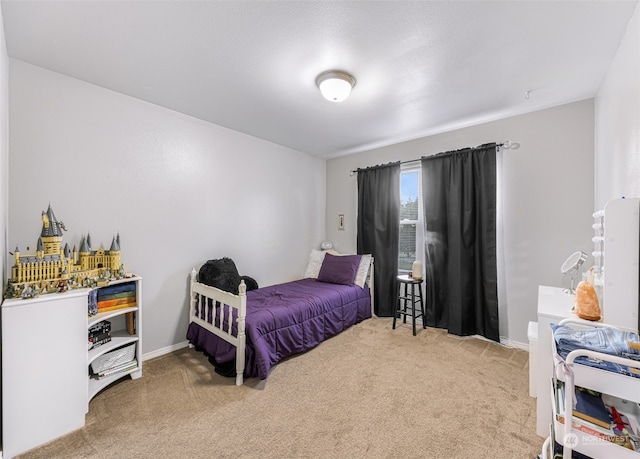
(509, 145)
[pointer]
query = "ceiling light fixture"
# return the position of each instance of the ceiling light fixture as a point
(335, 85)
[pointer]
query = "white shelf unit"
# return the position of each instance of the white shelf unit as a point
(605, 382)
(46, 388)
(119, 337)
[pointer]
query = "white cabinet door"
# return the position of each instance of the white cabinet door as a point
(44, 369)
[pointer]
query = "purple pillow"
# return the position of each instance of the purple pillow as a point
(339, 269)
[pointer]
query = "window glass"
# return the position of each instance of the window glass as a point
(407, 253)
(409, 195)
(410, 218)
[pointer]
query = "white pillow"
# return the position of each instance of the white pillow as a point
(315, 263)
(317, 257)
(363, 270)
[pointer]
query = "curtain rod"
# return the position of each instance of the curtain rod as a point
(506, 145)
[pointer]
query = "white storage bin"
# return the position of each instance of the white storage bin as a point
(114, 358)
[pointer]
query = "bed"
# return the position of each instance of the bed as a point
(254, 330)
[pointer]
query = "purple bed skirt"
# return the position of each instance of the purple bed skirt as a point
(287, 319)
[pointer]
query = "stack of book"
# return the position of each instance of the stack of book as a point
(123, 367)
(99, 333)
(116, 296)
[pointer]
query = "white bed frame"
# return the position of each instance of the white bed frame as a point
(239, 303)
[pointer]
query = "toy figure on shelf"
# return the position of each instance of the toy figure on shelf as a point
(55, 268)
(63, 286)
(28, 292)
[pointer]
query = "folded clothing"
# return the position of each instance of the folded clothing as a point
(606, 340)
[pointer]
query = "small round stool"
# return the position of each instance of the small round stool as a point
(408, 302)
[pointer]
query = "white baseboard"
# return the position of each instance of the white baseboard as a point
(163, 351)
(503, 339)
(166, 350)
(510, 343)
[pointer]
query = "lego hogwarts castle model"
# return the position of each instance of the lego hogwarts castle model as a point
(55, 268)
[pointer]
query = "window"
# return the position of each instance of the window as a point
(411, 225)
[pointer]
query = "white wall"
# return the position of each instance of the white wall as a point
(547, 191)
(617, 155)
(4, 148)
(178, 190)
(4, 161)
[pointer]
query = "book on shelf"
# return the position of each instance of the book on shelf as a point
(130, 318)
(99, 333)
(588, 428)
(590, 407)
(116, 288)
(99, 342)
(101, 327)
(115, 296)
(100, 338)
(116, 302)
(118, 306)
(128, 366)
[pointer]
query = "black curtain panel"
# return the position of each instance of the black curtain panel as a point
(459, 191)
(379, 230)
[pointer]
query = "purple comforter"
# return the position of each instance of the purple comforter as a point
(287, 319)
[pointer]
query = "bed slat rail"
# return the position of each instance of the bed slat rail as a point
(199, 297)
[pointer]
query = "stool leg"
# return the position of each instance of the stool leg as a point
(422, 308)
(404, 304)
(413, 307)
(396, 312)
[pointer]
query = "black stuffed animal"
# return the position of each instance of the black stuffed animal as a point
(223, 274)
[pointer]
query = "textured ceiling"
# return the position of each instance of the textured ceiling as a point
(421, 66)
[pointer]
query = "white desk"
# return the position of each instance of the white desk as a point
(553, 306)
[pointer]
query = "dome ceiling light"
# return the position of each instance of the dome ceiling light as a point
(335, 85)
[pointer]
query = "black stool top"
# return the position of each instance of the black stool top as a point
(409, 280)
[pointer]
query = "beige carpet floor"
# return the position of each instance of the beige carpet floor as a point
(371, 392)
